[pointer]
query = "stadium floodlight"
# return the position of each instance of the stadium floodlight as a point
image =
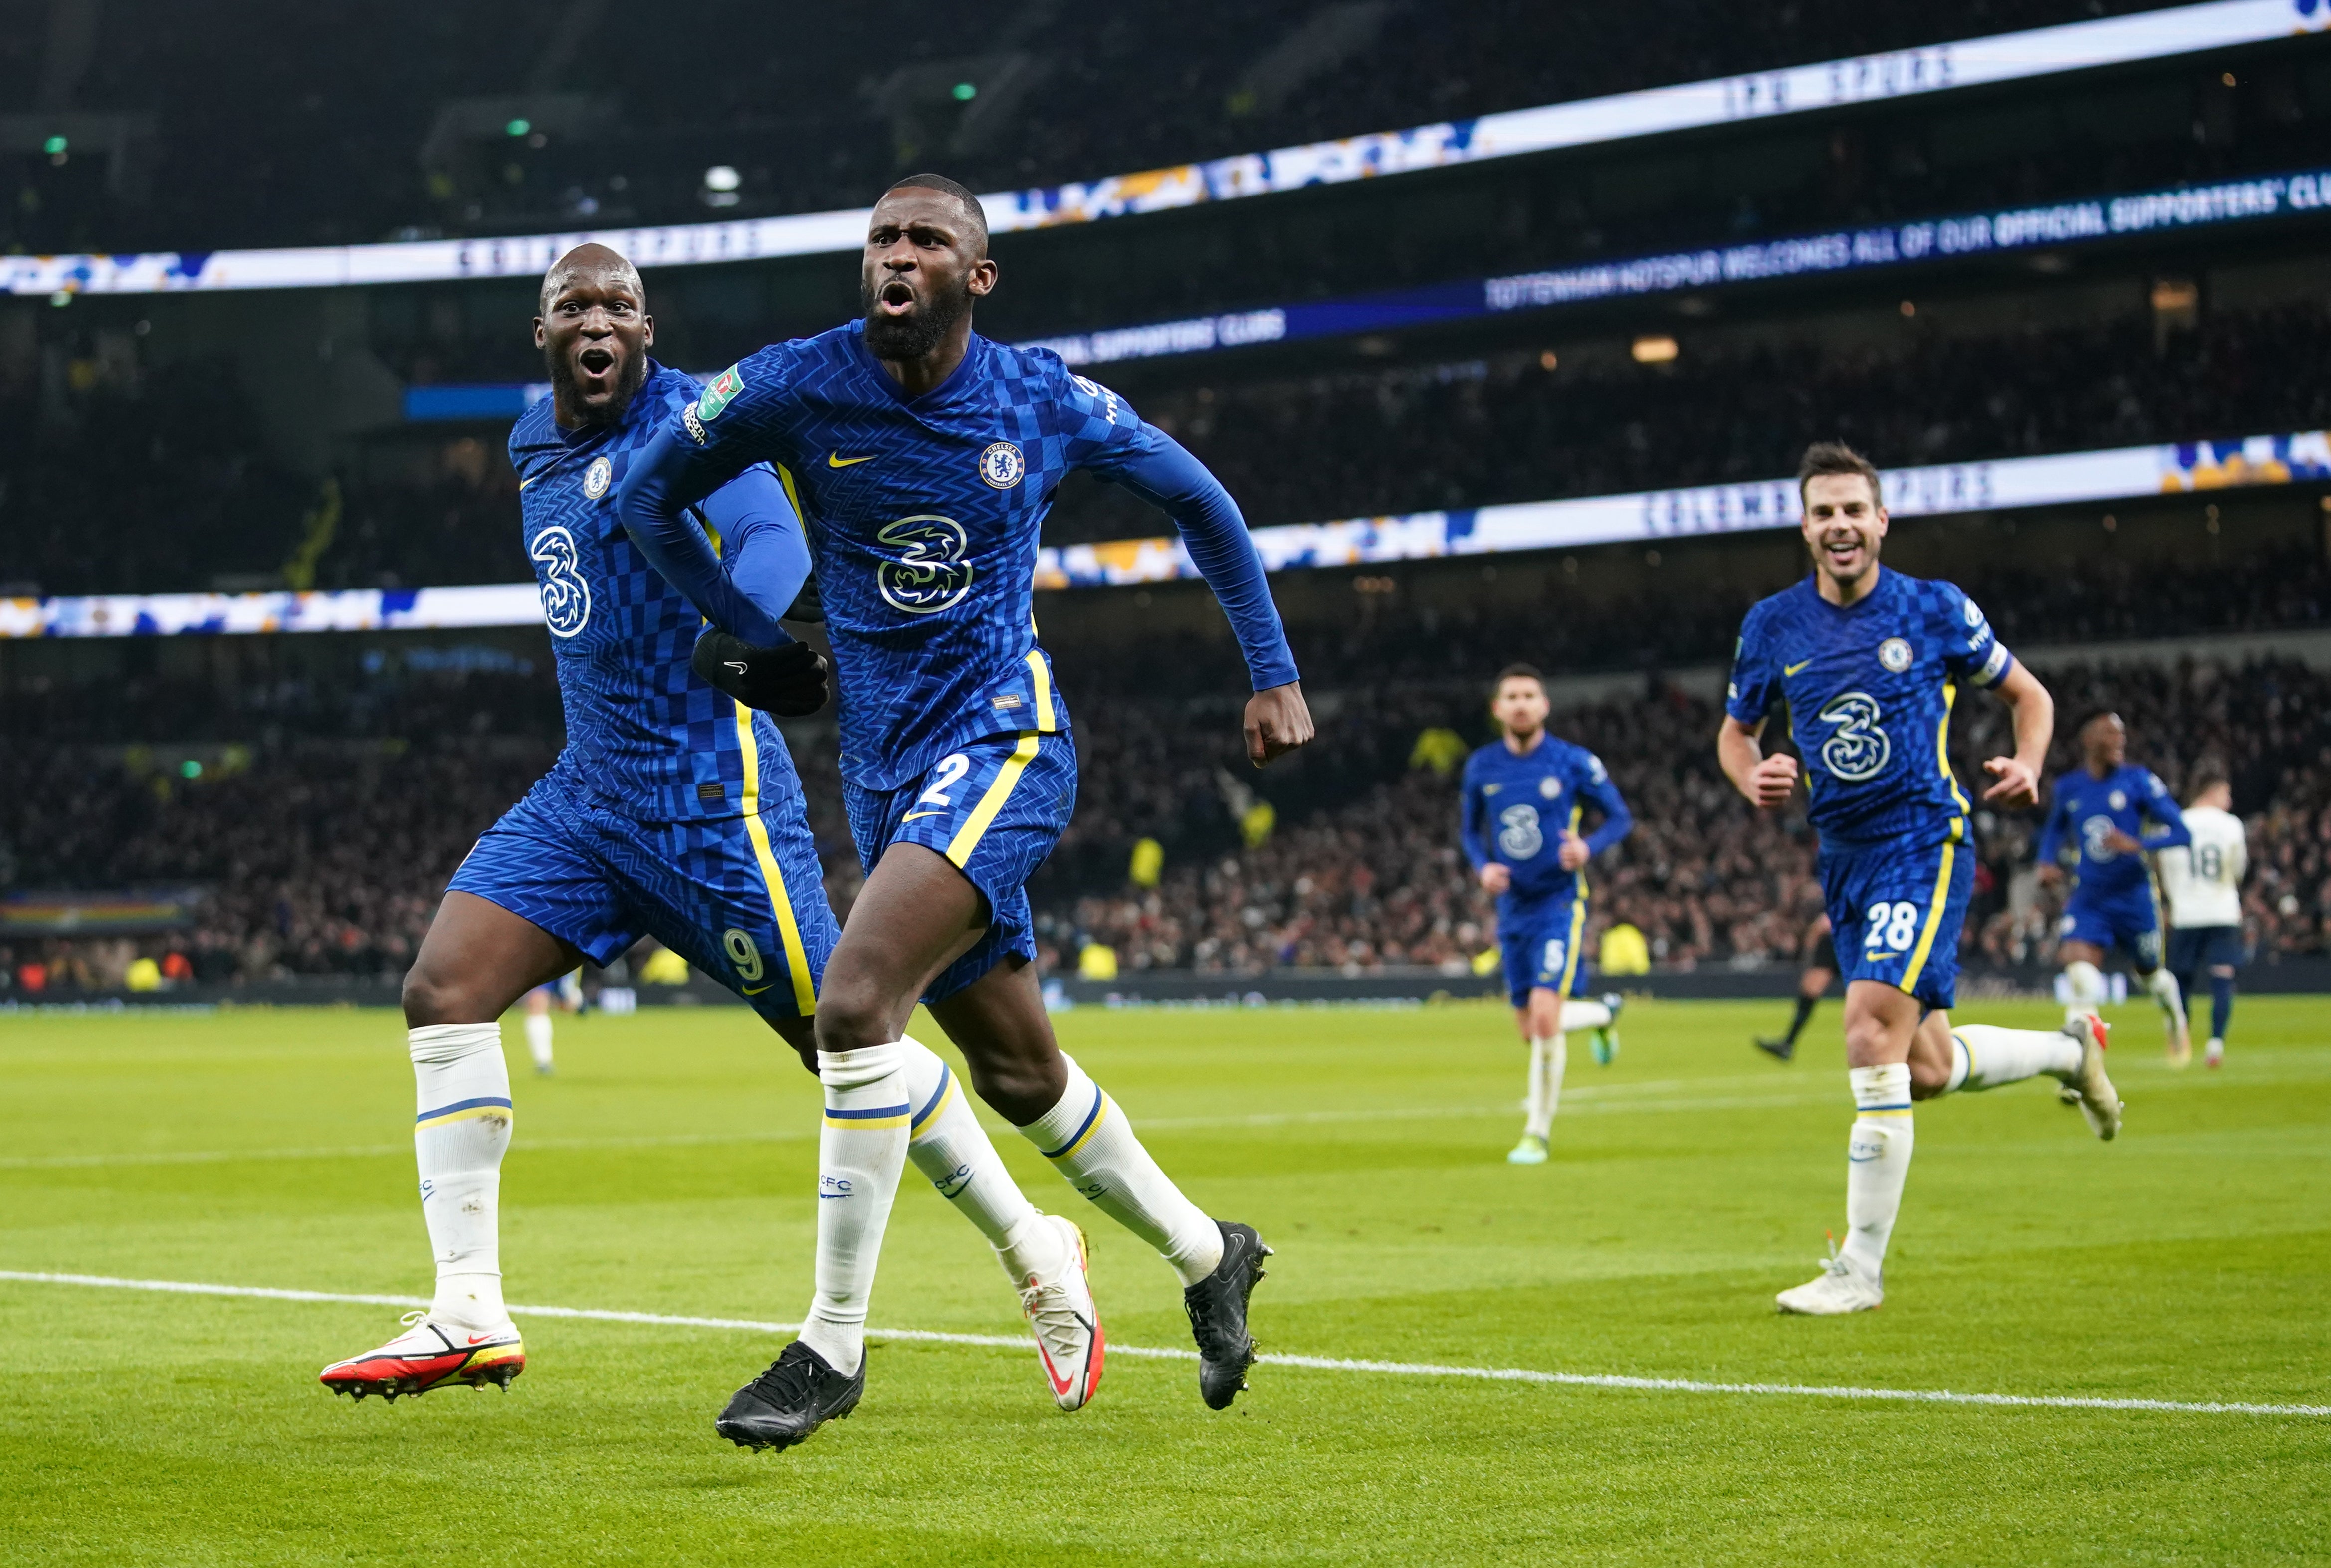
(517, 127)
(966, 92)
(54, 146)
(2077, 46)
(722, 177)
(1657, 348)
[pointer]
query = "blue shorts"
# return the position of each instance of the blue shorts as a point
(2194, 949)
(1896, 913)
(2132, 925)
(1545, 948)
(994, 809)
(742, 899)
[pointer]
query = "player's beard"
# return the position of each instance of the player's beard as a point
(628, 382)
(913, 336)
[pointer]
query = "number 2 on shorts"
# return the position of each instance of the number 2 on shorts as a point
(951, 770)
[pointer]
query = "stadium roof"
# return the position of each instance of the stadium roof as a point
(1828, 84)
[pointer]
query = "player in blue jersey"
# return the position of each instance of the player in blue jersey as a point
(1869, 662)
(1523, 800)
(2097, 819)
(924, 458)
(673, 810)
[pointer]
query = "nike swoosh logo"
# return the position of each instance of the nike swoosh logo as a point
(756, 989)
(732, 664)
(917, 816)
(480, 1338)
(523, 483)
(1792, 669)
(835, 460)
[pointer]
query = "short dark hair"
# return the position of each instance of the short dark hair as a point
(2092, 715)
(1517, 672)
(955, 188)
(2207, 774)
(588, 256)
(1834, 457)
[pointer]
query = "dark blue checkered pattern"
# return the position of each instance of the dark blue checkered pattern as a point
(922, 515)
(598, 878)
(936, 809)
(643, 734)
(1869, 689)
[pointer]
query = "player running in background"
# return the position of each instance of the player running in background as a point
(564, 994)
(924, 458)
(1522, 800)
(1818, 974)
(2203, 880)
(673, 810)
(1870, 662)
(2100, 809)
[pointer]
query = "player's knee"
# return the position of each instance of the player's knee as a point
(852, 1015)
(428, 1000)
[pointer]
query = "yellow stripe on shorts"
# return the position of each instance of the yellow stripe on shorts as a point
(1934, 923)
(780, 904)
(967, 837)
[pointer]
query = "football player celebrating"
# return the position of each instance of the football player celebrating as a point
(924, 458)
(2100, 809)
(1514, 789)
(674, 809)
(1868, 662)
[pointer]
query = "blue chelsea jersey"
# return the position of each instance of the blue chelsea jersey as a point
(1869, 688)
(2083, 808)
(1515, 808)
(922, 515)
(643, 734)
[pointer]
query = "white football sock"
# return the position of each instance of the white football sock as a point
(1984, 1057)
(948, 1145)
(2164, 990)
(1877, 1162)
(2086, 983)
(861, 1151)
(538, 1040)
(1090, 1142)
(1577, 1015)
(1550, 1057)
(460, 1130)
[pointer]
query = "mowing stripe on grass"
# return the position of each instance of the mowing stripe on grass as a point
(1317, 1363)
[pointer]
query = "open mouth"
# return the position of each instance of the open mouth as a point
(897, 297)
(595, 361)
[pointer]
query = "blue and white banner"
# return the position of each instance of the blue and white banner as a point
(1797, 89)
(2027, 481)
(1841, 250)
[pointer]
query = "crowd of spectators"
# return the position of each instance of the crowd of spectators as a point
(813, 107)
(1517, 429)
(320, 847)
(171, 459)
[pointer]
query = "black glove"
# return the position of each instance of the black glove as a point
(789, 680)
(805, 606)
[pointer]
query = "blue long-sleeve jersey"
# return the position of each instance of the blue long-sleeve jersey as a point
(1515, 809)
(643, 734)
(923, 514)
(2083, 808)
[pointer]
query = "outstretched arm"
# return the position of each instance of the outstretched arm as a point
(2162, 807)
(2033, 714)
(666, 479)
(1170, 479)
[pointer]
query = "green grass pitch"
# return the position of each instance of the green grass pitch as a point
(670, 1167)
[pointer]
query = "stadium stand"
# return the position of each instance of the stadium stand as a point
(486, 119)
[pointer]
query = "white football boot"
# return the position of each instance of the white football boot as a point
(2092, 1091)
(430, 1353)
(1839, 1288)
(1070, 1339)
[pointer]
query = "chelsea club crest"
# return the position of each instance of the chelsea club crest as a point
(1001, 465)
(596, 478)
(1894, 654)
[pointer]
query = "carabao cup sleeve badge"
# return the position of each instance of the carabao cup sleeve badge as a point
(723, 388)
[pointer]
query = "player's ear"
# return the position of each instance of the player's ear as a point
(647, 331)
(541, 334)
(984, 275)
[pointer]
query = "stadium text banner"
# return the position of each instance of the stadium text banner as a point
(1843, 250)
(2030, 482)
(1934, 68)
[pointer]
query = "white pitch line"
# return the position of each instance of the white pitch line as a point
(1315, 1363)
